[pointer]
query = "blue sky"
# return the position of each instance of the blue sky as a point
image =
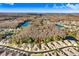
(39, 7)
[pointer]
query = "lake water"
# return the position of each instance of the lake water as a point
(59, 25)
(70, 38)
(24, 24)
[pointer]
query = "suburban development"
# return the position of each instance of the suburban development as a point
(26, 34)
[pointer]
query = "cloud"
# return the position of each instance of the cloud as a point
(10, 3)
(37, 11)
(72, 6)
(59, 7)
(67, 6)
(55, 6)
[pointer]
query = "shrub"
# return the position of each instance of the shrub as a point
(28, 40)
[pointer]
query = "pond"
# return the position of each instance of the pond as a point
(6, 35)
(59, 25)
(70, 38)
(24, 24)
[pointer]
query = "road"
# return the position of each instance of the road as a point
(30, 52)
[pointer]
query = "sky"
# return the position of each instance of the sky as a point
(39, 8)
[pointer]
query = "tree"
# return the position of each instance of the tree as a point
(59, 37)
(48, 39)
(13, 39)
(39, 41)
(72, 33)
(28, 40)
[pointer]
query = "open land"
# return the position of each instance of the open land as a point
(39, 34)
